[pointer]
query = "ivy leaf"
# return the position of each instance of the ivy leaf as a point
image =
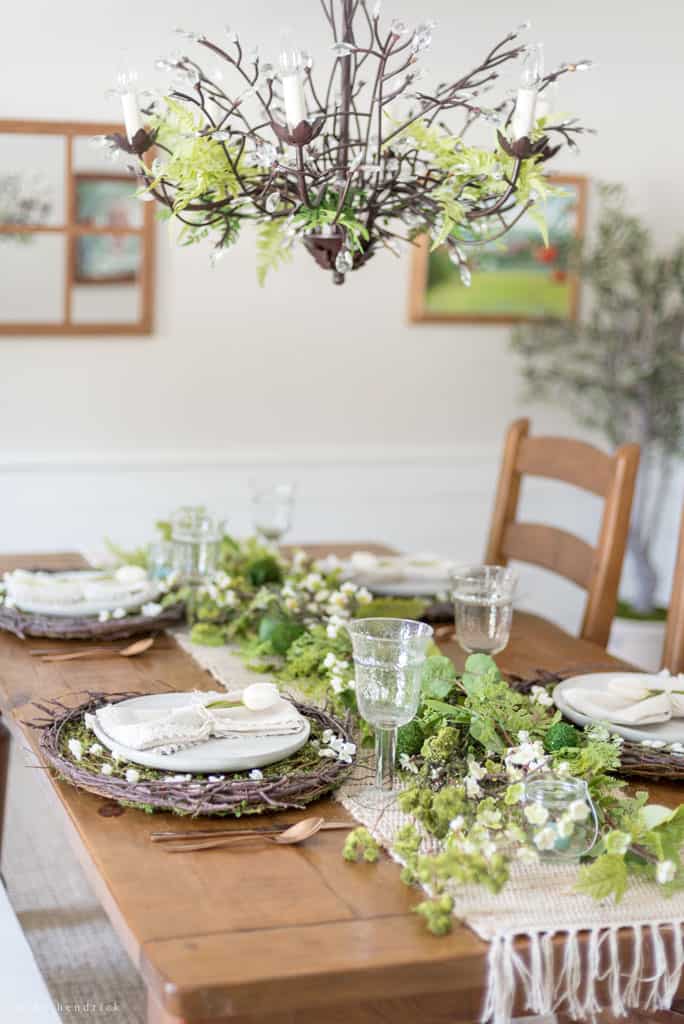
(667, 838)
(607, 876)
(484, 731)
(437, 677)
(482, 664)
(454, 711)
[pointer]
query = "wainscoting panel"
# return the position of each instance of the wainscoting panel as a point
(423, 499)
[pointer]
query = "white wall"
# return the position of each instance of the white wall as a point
(393, 431)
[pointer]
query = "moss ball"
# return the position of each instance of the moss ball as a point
(560, 735)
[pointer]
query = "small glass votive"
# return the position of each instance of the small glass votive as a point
(483, 606)
(160, 559)
(560, 818)
(196, 540)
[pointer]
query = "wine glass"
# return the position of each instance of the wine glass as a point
(272, 509)
(388, 658)
(483, 607)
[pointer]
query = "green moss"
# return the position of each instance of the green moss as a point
(625, 610)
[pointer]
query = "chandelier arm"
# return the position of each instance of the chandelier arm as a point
(328, 18)
(309, 80)
(504, 231)
(510, 191)
(369, 21)
(237, 65)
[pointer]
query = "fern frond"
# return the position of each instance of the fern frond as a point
(272, 248)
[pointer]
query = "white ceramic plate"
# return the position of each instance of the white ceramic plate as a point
(230, 754)
(403, 588)
(665, 732)
(90, 607)
(401, 576)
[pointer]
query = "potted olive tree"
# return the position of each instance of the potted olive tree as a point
(620, 370)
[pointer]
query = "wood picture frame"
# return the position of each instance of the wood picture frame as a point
(560, 297)
(70, 230)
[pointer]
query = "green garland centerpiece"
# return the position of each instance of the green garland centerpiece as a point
(467, 760)
(468, 756)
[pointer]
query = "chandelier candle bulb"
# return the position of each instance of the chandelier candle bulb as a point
(129, 101)
(293, 87)
(525, 112)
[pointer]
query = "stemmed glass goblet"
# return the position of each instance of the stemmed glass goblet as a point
(272, 509)
(388, 659)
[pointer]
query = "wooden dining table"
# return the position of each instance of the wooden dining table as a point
(262, 934)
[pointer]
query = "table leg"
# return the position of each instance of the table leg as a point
(4, 770)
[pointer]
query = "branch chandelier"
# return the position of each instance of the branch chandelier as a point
(337, 166)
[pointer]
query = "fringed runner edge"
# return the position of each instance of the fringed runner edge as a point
(529, 977)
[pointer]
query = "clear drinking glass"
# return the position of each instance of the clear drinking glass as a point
(560, 818)
(388, 658)
(483, 607)
(196, 539)
(272, 506)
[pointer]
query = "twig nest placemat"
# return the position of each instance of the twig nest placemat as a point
(70, 747)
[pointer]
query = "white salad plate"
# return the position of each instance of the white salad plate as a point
(236, 753)
(399, 576)
(662, 732)
(132, 596)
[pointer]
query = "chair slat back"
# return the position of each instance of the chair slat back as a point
(551, 548)
(596, 569)
(673, 652)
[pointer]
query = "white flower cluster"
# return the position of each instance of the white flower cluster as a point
(553, 835)
(665, 872)
(169, 582)
(476, 773)
(336, 747)
(538, 695)
(220, 590)
(407, 764)
(341, 673)
(524, 759)
(118, 613)
(600, 733)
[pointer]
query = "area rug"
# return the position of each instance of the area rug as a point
(85, 967)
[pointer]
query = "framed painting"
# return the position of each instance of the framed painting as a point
(515, 279)
(103, 201)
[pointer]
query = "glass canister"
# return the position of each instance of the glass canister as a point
(196, 539)
(560, 818)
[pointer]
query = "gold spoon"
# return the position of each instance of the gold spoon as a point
(138, 647)
(297, 833)
(193, 835)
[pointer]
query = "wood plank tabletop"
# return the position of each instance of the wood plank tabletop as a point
(262, 934)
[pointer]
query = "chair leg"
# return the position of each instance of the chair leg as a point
(4, 771)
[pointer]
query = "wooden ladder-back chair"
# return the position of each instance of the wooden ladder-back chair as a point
(673, 652)
(596, 569)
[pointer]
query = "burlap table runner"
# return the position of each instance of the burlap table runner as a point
(539, 903)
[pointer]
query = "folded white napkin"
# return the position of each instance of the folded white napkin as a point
(44, 587)
(634, 699)
(142, 728)
(389, 568)
(72, 588)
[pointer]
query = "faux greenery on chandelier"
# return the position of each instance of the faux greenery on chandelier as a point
(364, 163)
